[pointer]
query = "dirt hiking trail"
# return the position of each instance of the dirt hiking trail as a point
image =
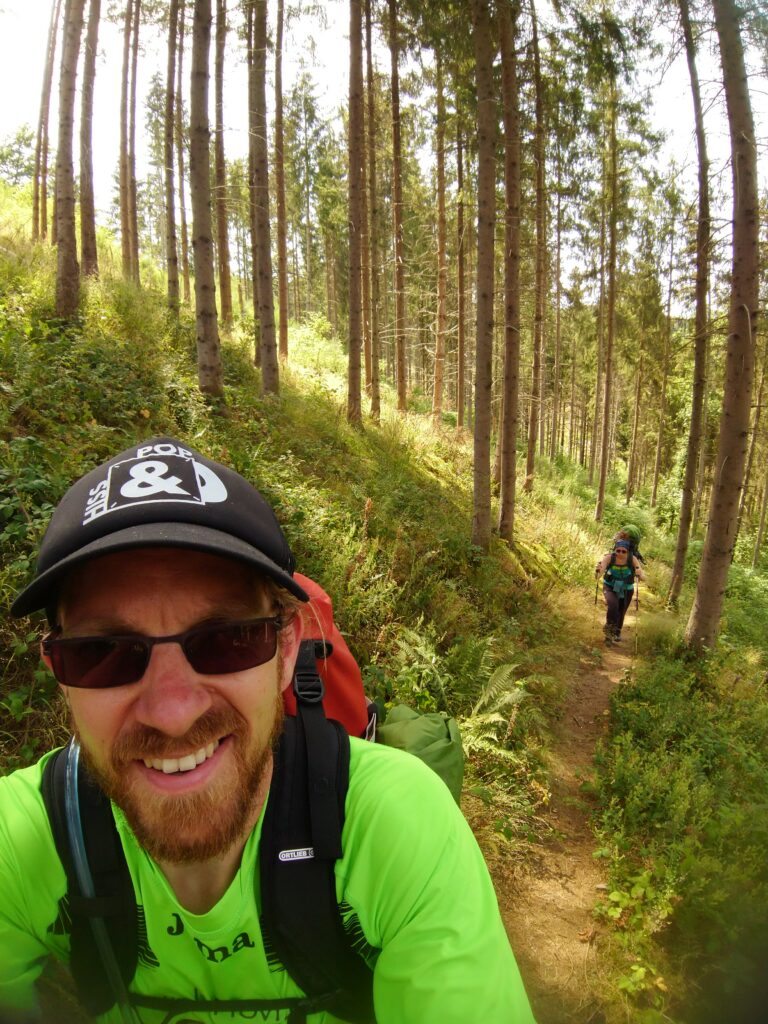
(547, 901)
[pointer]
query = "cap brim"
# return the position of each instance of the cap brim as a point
(43, 590)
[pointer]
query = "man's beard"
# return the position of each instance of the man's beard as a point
(198, 826)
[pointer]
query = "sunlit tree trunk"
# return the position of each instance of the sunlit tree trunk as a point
(486, 219)
(282, 246)
(704, 620)
(761, 526)
(397, 213)
(664, 374)
(535, 411)
(270, 374)
(208, 348)
(600, 332)
(171, 243)
(442, 267)
(222, 219)
(133, 206)
(180, 159)
(373, 208)
(610, 318)
(67, 267)
(356, 158)
(632, 470)
(365, 249)
(694, 452)
(40, 179)
(460, 281)
(124, 170)
(90, 259)
(556, 387)
(507, 17)
(754, 433)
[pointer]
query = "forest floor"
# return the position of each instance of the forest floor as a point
(547, 899)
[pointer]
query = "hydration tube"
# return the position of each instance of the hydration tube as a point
(85, 881)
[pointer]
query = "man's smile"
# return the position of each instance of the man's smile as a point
(171, 765)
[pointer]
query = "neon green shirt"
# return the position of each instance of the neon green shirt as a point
(411, 871)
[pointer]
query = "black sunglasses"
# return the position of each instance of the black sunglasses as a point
(215, 649)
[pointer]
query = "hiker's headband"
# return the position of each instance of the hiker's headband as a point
(159, 494)
(624, 544)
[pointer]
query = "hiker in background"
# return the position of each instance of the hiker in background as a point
(173, 608)
(618, 569)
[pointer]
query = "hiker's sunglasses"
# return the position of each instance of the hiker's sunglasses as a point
(213, 649)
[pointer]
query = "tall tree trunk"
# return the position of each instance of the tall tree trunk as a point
(180, 159)
(613, 216)
(664, 374)
(87, 205)
(397, 213)
(133, 197)
(282, 246)
(572, 423)
(270, 373)
(599, 334)
(556, 388)
(703, 228)
(373, 234)
(702, 469)
(754, 433)
(67, 268)
(40, 179)
(761, 526)
(704, 620)
(208, 348)
(535, 411)
(356, 158)
(124, 170)
(507, 16)
(442, 267)
(365, 245)
(171, 243)
(486, 219)
(461, 358)
(222, 219)
(632, 470)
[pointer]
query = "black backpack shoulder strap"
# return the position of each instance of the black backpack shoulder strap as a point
(114, 900)
(300, 843)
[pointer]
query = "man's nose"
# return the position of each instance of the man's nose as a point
(172, 695)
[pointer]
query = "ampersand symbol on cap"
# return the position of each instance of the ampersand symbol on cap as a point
(148, 479)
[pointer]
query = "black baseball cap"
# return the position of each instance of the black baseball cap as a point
(160, 493)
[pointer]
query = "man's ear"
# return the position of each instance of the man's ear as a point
(290, 638)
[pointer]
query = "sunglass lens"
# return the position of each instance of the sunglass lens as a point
(99, 663)
(219, 650)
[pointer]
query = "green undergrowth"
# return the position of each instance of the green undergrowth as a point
(683, 794)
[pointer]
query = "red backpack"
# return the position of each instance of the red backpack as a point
(345, 698)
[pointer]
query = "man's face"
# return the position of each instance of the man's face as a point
(132, 735)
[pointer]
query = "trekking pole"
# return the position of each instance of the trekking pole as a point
(594, 607)
(637, 611)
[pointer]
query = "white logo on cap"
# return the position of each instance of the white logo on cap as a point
(176, 476)
(147, 479)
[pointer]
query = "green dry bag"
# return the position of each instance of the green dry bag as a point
(434, 737)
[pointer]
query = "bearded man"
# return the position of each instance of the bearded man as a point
(170, 594)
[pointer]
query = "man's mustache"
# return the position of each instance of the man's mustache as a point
(143, 741)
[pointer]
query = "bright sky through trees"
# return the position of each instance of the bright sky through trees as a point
(323, 52)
